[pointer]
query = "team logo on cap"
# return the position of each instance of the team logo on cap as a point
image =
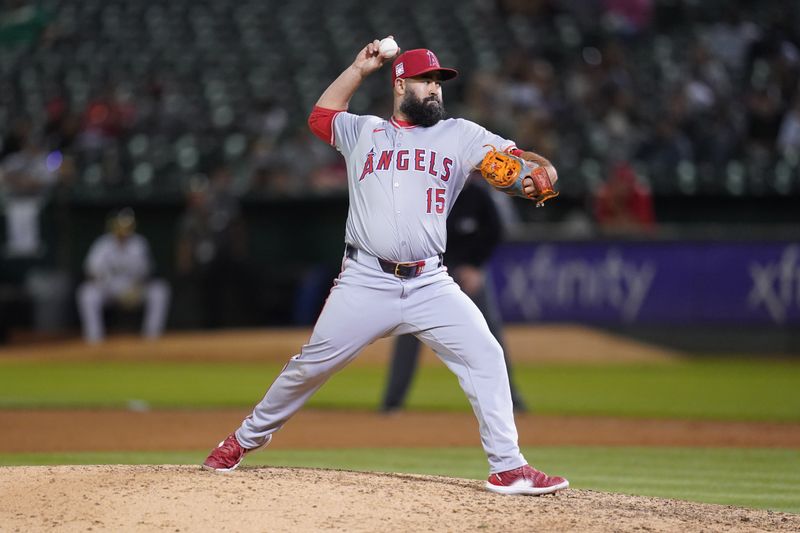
(399, 69)
(432, 61)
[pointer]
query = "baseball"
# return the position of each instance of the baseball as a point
(388, 47)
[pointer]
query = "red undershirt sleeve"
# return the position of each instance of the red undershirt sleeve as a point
(320, 121)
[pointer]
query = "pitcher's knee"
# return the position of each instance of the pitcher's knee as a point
(321, 359)
(489, 354)
(309, 371)
(491, 347)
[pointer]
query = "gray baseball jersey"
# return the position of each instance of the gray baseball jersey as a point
(403, 181)
(402, 184)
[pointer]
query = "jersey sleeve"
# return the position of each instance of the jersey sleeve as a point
(347, 128)
(474, 139)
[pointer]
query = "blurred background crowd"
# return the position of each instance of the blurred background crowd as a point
(659, 114)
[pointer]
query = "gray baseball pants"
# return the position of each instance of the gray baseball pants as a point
(366, 304)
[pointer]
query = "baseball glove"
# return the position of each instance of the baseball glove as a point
(506, 172)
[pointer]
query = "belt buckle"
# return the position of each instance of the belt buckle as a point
(418, 266)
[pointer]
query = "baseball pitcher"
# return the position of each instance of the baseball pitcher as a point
(404, 174)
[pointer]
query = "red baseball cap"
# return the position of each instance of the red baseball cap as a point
(417, 62)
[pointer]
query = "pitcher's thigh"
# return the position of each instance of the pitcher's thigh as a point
(352, 318)
(454, 327)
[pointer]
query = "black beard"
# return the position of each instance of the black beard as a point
(421, 112)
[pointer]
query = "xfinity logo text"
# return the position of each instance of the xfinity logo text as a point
(776, 285)
(546, 281)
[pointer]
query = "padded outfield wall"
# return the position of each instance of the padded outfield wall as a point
(724, 284)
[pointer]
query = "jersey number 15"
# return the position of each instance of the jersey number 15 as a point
(436, 200)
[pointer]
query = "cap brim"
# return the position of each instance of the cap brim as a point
(446, 73)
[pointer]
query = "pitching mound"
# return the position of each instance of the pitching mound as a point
(185, 498)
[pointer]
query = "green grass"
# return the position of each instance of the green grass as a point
(114, 384)
(701, 389)
(758, 478)
(734, 389)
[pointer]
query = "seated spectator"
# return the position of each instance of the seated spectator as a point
(665, 148)
(119, 270)
(623, 204)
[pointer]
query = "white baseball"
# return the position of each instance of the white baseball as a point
(388, 47)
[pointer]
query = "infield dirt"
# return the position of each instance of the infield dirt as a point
(112, 430)
(541, 343)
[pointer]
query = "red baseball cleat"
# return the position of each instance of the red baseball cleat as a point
(525, 480)
(227, 456)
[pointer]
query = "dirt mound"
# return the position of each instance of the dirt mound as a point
(184, 498)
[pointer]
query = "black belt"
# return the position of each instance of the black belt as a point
(401, 270)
